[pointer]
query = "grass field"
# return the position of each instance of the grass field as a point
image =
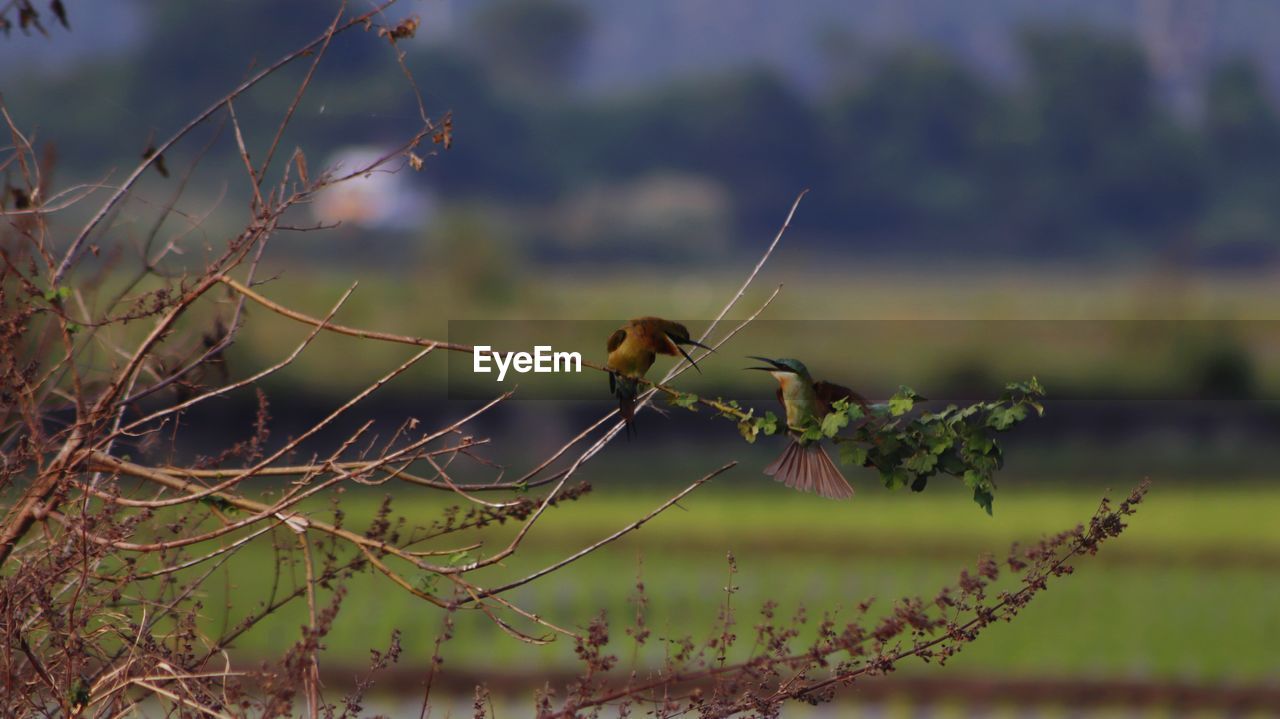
(1188, 593)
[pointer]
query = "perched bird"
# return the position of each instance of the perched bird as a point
(805, 465)
(632, 349)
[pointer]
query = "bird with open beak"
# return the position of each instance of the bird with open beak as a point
(805, 465)
(632, 350)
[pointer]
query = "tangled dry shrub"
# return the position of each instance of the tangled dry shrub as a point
(697, 679)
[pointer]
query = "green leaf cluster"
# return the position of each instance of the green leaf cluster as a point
(753, 427)
(909, 447)
(57, 294)
(685, 400)
(749, 425)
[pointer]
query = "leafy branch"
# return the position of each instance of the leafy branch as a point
(905, 443)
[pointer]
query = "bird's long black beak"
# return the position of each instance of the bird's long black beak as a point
(773, 366)
(695, 343)
(679, 342)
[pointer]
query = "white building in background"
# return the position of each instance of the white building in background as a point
(384, 199)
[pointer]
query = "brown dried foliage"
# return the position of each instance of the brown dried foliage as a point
(697, 680)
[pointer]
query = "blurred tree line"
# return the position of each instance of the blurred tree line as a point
(912, 149)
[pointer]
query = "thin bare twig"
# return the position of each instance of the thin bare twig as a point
(671, 501)
(74, 250)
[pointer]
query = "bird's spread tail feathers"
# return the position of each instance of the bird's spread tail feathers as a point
(808, 468)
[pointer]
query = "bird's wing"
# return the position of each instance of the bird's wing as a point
(616, 339)
(829, 392)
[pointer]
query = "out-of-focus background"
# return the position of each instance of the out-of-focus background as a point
(1051, 163)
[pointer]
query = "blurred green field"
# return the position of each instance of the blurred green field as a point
(915, 343)
(1187, 594)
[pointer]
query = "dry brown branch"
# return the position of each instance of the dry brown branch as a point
(597, 545)
(312, 47)
(424, 342)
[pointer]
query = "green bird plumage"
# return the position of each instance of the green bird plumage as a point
(805, 465)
